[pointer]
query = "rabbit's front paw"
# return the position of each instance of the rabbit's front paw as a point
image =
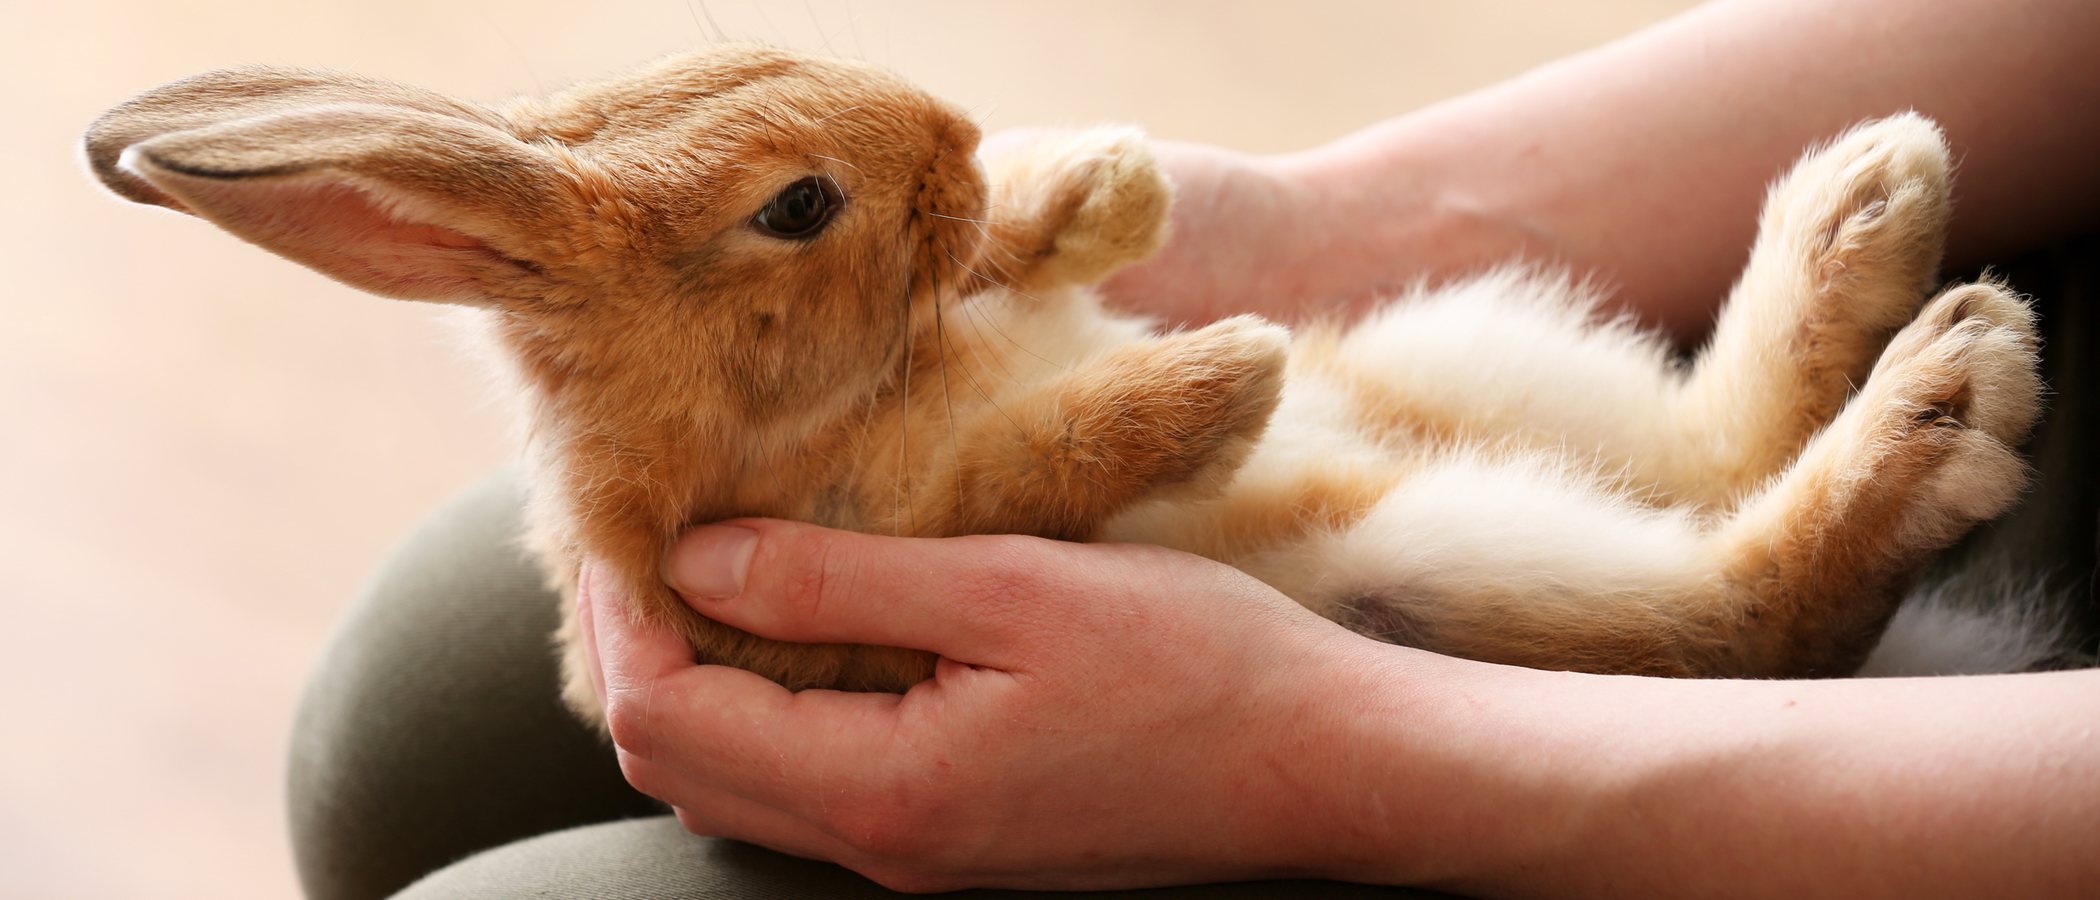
(1180, 408)
(1072, 209)
(1178, 413)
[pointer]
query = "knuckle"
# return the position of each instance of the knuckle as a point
(697, 824)
(884, 839)
(639, 774)
(628, 723)
(820, 572)
(1003, 566)
(905, 879)
(885, 832)
(901, 823)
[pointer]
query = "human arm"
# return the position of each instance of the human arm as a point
(1643, 161)
(1120, 716)
(1956, 787)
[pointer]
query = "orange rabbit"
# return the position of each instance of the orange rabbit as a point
(746, 282)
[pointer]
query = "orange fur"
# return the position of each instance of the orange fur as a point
(1488, 469)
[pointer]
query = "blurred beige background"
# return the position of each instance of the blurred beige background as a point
(205, 449)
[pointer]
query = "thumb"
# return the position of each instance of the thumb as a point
(965, 598)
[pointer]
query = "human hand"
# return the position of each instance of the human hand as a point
(1325, 232)
(1102, 715)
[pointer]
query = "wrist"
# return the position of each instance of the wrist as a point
(1413, 199)
(1441, 772)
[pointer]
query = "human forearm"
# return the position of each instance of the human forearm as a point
(1643, 161)
(1521, 783)
(1949, 787)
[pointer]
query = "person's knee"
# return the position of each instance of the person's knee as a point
(431, 728)
(656, 858)
(638, 859)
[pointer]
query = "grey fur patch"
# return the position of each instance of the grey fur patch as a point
(1383, 617)
(1978, 624)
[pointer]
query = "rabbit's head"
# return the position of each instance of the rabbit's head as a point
(741, 233)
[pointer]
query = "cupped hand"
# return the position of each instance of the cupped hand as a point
(1101, 715)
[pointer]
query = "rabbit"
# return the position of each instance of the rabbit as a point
(747, 282)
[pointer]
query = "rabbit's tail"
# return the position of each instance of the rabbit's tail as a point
(1983, 622)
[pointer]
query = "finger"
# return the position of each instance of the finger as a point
(743, 734)
(628, 650)
(711, 812)
(587, 629)
(741, 820)
(965, 598)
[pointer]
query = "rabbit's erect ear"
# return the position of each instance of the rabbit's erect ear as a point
(217, 97)
(427, 201)
(1075, 208)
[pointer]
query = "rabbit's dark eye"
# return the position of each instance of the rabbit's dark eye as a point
(800, 211)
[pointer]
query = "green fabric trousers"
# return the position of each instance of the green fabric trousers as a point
(432, 757)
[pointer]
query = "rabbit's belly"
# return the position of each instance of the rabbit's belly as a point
(1315, 471)
(1384, 531)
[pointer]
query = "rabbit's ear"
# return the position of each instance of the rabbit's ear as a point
(223, 96)
(400, 200)
(1074, 209)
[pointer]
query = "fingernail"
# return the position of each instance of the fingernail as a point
(710, 562)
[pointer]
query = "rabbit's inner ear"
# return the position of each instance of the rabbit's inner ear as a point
(358, 233)
(233, 94)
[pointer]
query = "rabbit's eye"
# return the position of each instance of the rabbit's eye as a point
(800, 211)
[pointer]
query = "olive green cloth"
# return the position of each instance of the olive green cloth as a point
(431, 749)
(655, 859)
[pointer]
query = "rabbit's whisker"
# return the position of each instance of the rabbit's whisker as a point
(835, 185)
(524, 59)
(1010, 255)
(819, 26)
(1002, 357)
(778, 35)
(853, 27)
(989, 242)
(858, 52)
(1001, 410)
(903, 493)
(976, 319)
(759, 436)
(719, 34)
(965, 267)
(987, 114)
(834, 158)
(940, 335)
(978, 386)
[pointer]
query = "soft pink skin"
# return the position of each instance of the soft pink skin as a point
(1643, 162)
(1099, 723)
(1080, 730)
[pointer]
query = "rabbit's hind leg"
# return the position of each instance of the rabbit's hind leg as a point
(1517, 557)
(1848, 244)
(1523, 558)
(1920, 455)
